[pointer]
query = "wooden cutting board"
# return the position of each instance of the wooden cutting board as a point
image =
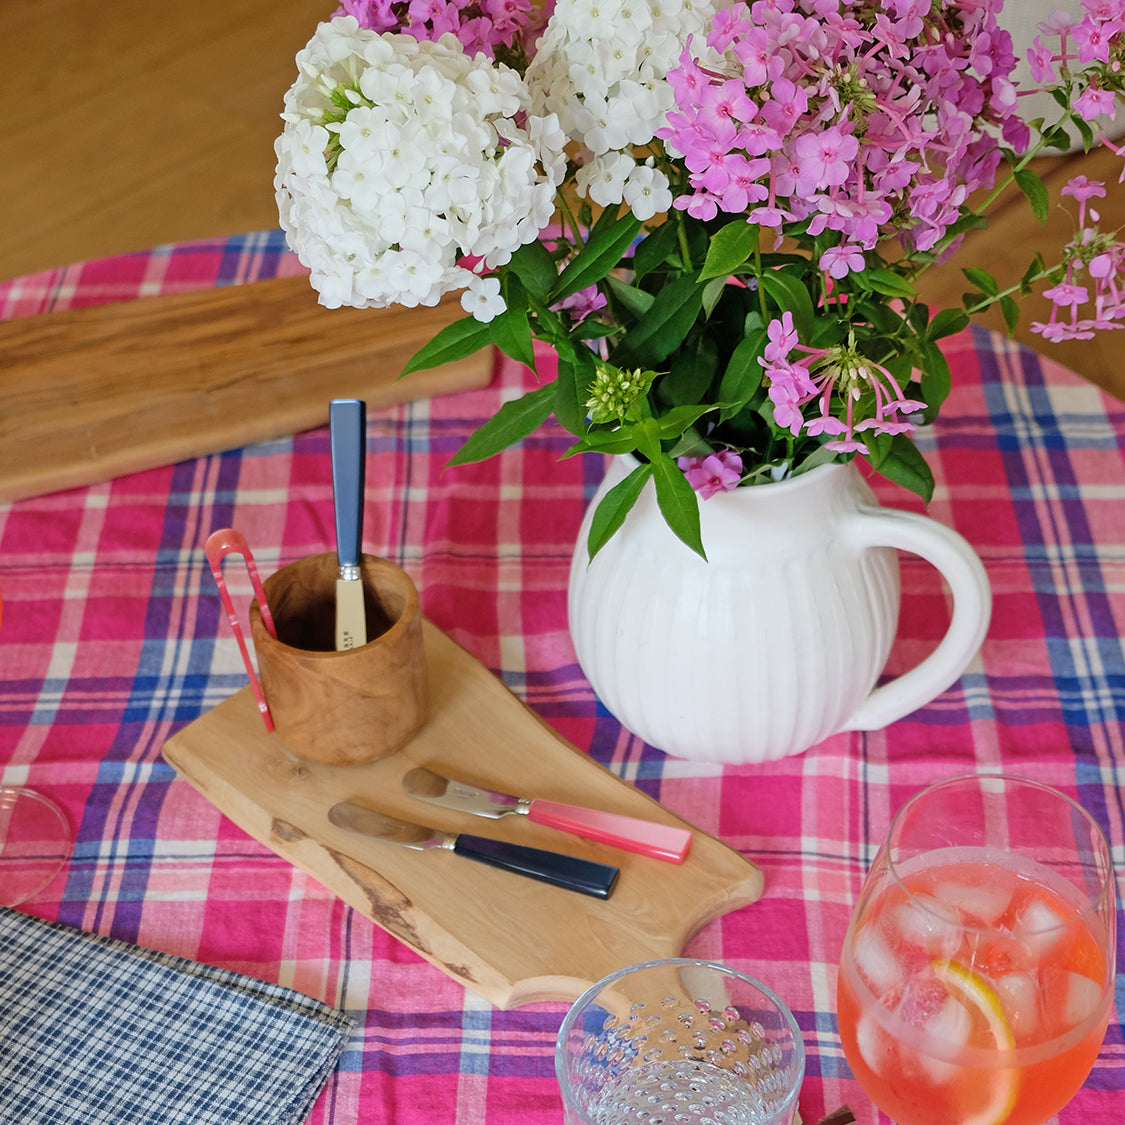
(96, 392)
(510, 939)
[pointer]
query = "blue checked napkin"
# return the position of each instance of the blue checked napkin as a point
(99, 1032)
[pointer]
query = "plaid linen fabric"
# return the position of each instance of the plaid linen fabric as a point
(113, 638)
(99, 1032)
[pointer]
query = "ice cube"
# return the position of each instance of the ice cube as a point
(949, 1029)
(1083, 996)
(1019, 997)
(870, 1040)
(1039, 926)
(875, 960)
(983, 906)
(926, 922)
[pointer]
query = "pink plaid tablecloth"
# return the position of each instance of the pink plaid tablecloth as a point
(113, 638)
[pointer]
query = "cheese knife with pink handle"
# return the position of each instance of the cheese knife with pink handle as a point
(660, 841)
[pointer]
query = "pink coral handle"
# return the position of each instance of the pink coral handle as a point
(219, 544)
(660, 841)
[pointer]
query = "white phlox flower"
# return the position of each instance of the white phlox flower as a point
(600, 68)
(401, 157)
(482, 298)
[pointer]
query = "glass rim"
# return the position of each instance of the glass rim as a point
(1093, 899)
(578, 1005)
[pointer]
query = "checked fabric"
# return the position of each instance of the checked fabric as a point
(100, 1032)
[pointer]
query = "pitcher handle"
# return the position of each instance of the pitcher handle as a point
(959, 565)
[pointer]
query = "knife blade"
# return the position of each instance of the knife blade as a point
(567, 871)
(347, 419)
(646, 837)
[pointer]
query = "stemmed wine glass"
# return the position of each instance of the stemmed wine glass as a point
(976, 978)
(35, 841)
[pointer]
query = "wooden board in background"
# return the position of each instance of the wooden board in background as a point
(510, 939)
(93, 393)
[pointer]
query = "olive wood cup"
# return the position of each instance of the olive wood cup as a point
(341, 708)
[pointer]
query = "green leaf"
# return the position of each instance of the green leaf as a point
(730, 247)
(656, 249)
(887, 282)
(1035, 190)
(936, 377)
(983, 280)
(743, 375)
(454, 341)
(535, 267)
(511, 330)
(636, 301)
(789, 291)
(1011, 310)
(610, 513)
(712, 292)
(947, 322)
(511, 423)
(907, 467)
(680, 418)
(575, 373)
(649, 342)
(678, 503)
(608, 241)
(605, 441)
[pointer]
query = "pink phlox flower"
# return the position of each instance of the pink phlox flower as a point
(1067, 294)
(727, 100)
(699, 205)
(786, 105)
(742, 186)
(1102, 266)
(1094, 102)
(757, 138)
(782, 338)
(726, 27)
(849, 445)
(760, 59)
(839, 261)
(1041, 61)
(581, 304)
(1092, 41)
(908, 16)
(787, 414)
(687, 79)
(773, 217)
(374, 15)
(828, 156)
(717, 472)
(824, 424)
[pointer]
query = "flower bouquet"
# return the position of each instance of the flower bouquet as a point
(715, 216)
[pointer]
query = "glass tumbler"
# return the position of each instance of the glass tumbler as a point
(679, 1041)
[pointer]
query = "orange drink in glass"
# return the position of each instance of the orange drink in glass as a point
(975, 984)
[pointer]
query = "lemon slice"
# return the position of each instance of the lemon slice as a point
(998, 1096)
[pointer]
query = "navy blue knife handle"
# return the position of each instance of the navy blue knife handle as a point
(575, 874)
(347, 422)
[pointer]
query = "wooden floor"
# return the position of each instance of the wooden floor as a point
(125, 126)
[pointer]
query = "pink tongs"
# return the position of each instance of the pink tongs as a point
(219, 544)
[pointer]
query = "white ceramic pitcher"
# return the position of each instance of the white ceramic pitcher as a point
(777, 640)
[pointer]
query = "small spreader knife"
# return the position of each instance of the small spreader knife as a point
(661, 841)
(347, 429)
(570, 872)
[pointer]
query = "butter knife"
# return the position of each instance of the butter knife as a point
(347, 429)
(567, 871)
(660, 841)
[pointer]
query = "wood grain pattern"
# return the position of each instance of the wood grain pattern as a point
(342, 708)
(512, 940)
(92, 393)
